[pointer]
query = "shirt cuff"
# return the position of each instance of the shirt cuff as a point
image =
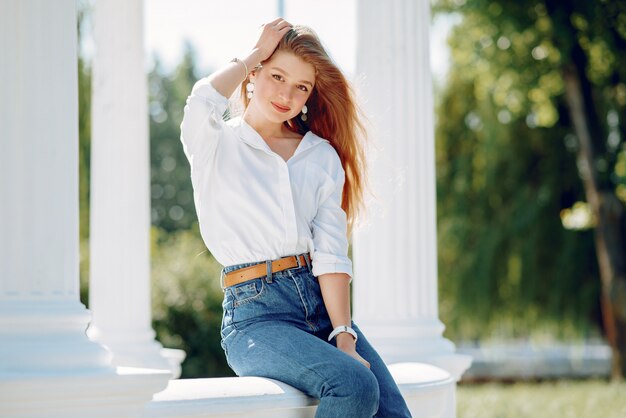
(325, 263)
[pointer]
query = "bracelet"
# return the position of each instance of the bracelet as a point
(244, 64)
(343, 328)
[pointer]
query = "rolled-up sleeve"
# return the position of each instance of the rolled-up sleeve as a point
(202, 123)
(330, 240)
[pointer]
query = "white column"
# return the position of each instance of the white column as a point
(120, 191)
(48, 366)
(395, 254)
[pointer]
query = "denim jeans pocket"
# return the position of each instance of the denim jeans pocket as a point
(247, 291)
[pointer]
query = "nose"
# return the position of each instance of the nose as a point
(286, 94)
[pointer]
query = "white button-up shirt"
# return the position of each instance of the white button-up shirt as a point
(251, 204)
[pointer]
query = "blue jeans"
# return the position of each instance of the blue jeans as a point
(277, 326)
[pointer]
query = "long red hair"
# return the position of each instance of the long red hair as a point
(333, 114)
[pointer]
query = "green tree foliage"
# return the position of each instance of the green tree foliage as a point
(187, 301)
(510, 164)
(84, 151)
(172, 194)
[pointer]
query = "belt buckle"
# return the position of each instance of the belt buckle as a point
(298, 260)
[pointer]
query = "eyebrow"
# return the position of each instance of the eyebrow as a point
(286, 73)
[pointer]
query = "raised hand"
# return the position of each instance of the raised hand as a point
(270, 35)
(226, 79)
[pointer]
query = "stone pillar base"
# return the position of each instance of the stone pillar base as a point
(175, 358)
(421, 342)
(138, 349)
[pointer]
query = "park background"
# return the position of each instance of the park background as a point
(518, 233)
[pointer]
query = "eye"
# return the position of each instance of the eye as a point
(277, 77)
(303, 87)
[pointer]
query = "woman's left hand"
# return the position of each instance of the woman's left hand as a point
(345, 342)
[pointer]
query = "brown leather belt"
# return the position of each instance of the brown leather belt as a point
(258, 270)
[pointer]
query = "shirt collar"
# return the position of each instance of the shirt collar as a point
(252, 138)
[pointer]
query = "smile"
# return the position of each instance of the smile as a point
(281, 109)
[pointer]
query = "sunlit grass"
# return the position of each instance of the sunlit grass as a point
(560, 399)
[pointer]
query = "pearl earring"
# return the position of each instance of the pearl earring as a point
(250, 89)
(304, 111)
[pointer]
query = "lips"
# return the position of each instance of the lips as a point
(280, 108)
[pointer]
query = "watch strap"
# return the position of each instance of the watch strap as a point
(343, 328)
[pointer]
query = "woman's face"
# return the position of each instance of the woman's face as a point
(282, 87)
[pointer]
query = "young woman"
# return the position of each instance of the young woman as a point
(277, 191)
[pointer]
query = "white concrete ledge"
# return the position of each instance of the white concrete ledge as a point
(99, 393)
(524, 360)
(428, 390)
